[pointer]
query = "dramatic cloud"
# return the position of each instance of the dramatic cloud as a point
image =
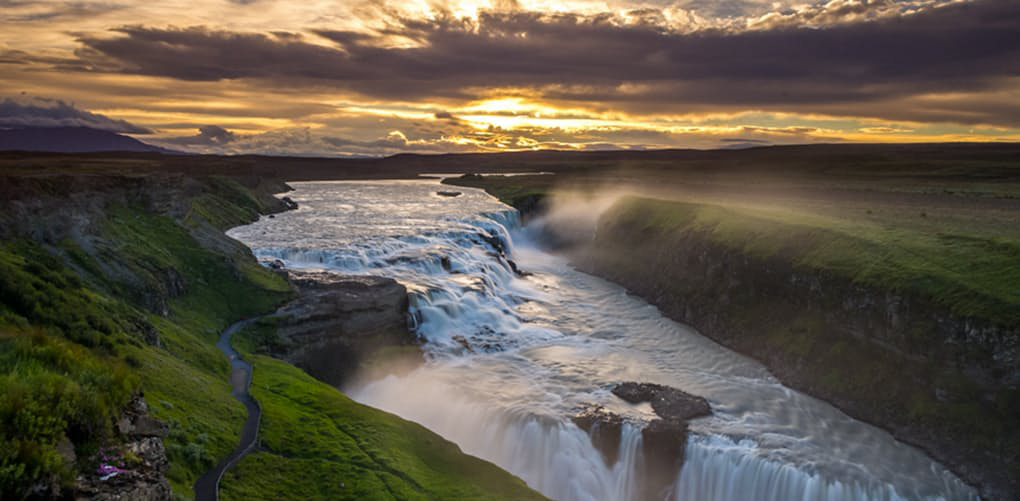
(961, 47)
(41, 112)
(371, 77)
(208, 135)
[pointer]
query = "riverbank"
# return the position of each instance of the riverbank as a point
(905, 320)
(116, 285)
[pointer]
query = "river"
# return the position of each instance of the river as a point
(511, 358)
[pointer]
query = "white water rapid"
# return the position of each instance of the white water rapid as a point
(511, 358)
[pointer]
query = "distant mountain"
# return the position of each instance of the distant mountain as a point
(71, 140)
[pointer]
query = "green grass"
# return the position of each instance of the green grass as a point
(316, 443)
(82, 332)
(138, 306)
(53, 391)
(515, 191)
(186, 380)
(907, 379)
(63, 371)
(972, 275)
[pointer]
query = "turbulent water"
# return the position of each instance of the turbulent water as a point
(511, 357)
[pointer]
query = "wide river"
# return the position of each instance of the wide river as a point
(511, 358)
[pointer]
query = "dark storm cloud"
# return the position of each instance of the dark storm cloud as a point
(41, 112)
(208, 135)
(971, 47)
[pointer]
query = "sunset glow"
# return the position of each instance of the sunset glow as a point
(508, 75)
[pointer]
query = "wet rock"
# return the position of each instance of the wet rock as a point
(494, 242)
(517, 271)
(338, 320)
(668, 403)
(289, 203)
(605, 430)
(664, 439)
(448, 193)
(461, 340)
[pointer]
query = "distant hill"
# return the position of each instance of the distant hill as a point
(71, 140)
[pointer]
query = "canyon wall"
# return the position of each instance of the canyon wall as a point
(940, 381)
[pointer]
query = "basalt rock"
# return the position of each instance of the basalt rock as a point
(134, 470)
(142, 480)
(604, 428)
(663, 439)
(668, 403)
(136, 421)
(337, 321)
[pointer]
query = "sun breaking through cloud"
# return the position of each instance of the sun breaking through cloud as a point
(377, 78)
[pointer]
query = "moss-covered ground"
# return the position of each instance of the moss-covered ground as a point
(316, 443)
(136, 305)
(80, 339)
(971, 274)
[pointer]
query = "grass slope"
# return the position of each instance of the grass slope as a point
(79, 339)
(137, 304)
(972, 275)
(316, 443)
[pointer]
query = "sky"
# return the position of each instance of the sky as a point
(370, 78)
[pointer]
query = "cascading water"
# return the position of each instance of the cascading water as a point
(512, 356)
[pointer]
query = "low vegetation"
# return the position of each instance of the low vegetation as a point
(316, 443)
(972, 275)
(83, 331)
(134, 303)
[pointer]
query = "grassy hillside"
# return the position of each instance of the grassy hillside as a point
(133, 303)
(131, 298)
(318, 444)
(972, 275)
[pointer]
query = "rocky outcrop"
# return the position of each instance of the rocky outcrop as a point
(337, 321)
(942, 382)
(668, 403)
(664, 439)
(136, 469)
(604, 428)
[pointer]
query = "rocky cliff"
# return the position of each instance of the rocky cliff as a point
(337, 322)
(940, 381)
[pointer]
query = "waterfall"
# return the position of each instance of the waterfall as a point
(720, 469)
(512, 356)
(553, 456)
